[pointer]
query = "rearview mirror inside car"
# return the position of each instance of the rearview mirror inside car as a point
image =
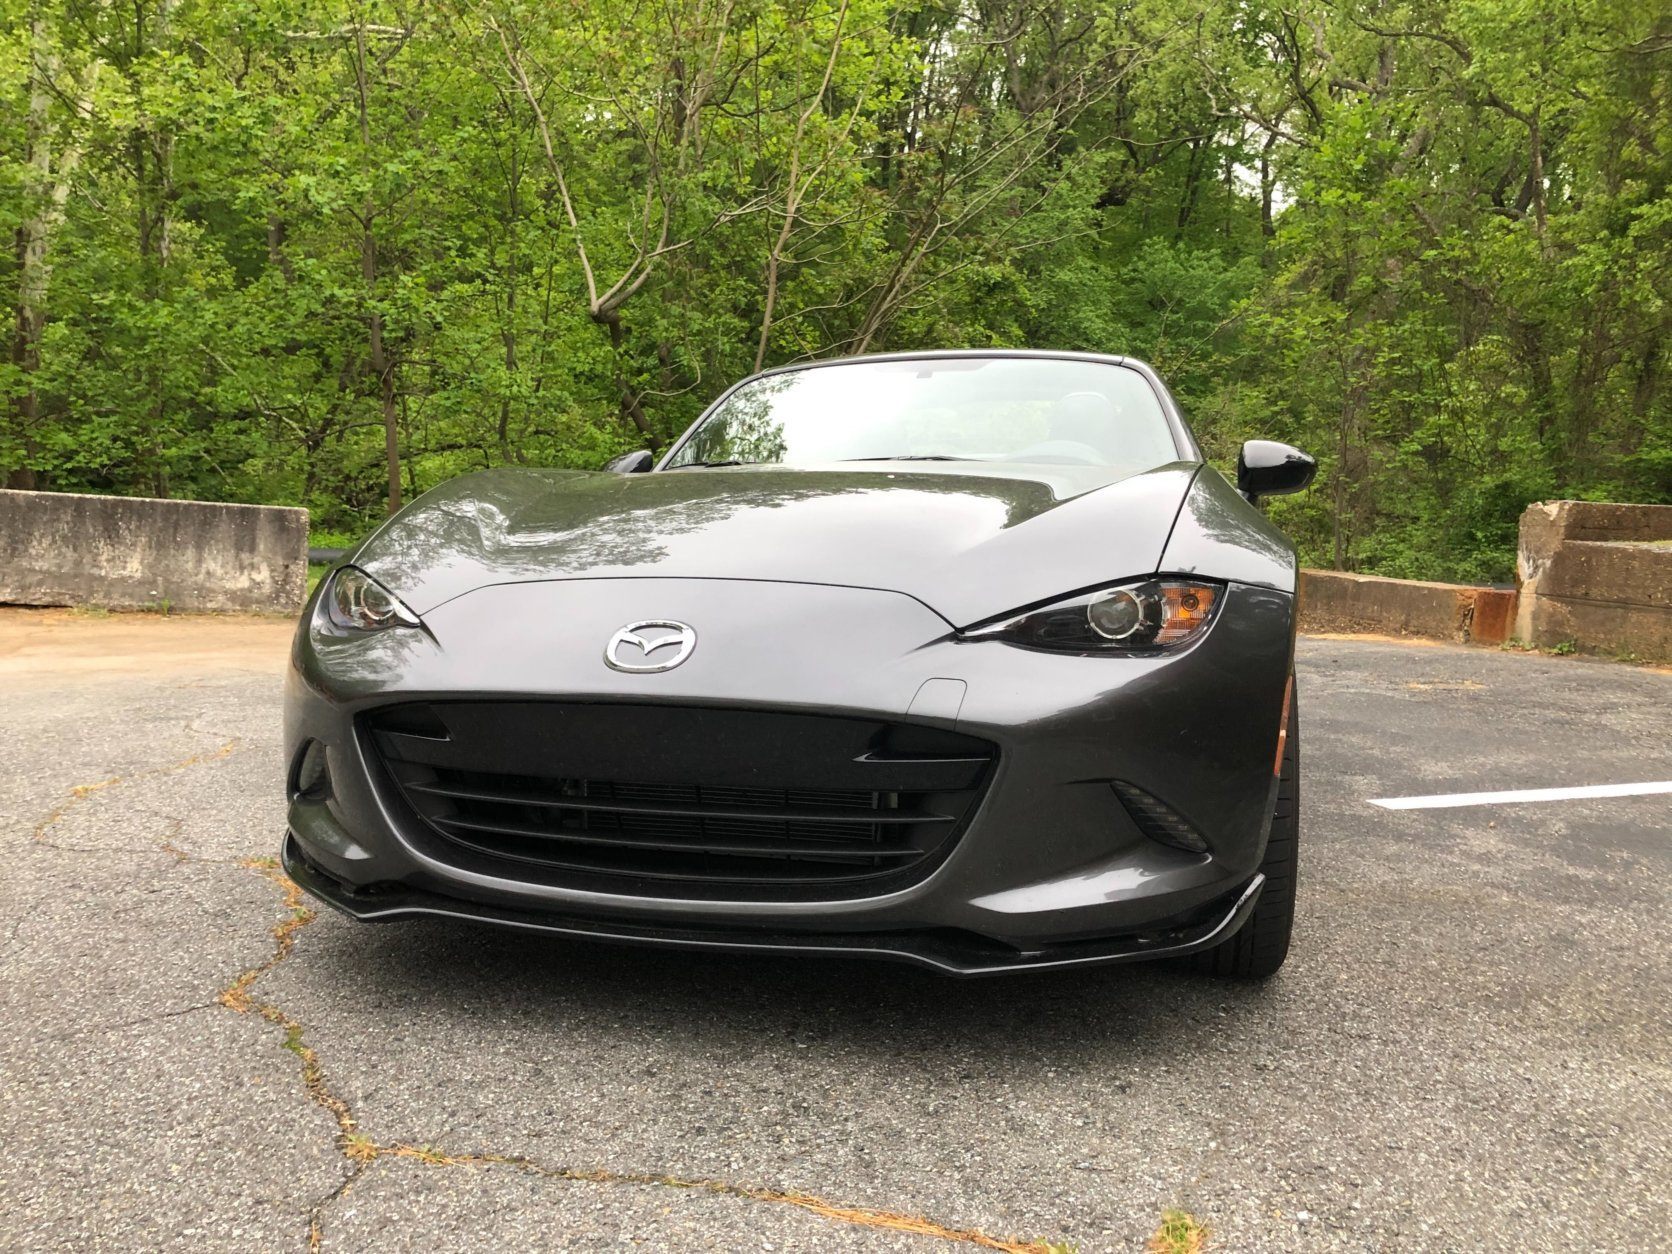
(634, 463)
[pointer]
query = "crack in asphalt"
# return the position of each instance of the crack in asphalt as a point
(316, 1212)
(236, 997)
(11, 938)
(362, 1150)
(164, 844)
(81, 792)
(140, 1021)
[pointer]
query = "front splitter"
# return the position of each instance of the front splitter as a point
(949, 953)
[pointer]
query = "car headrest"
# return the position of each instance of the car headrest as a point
(1088, 418)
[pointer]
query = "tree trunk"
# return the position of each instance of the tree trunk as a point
(794, 188)
(47, 194)
(513, 216)
(379, 364)
(631, 410)
(1535, 142)
(1268, 183)
(1644, 389)
(510, 338)
(1192, 180)
(379, 361)
(1338, 510)
(277, 255)
(152, 149)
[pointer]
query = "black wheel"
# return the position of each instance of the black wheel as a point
(1258, 947)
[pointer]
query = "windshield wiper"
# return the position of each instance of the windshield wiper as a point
(709, 465)
(914, 457)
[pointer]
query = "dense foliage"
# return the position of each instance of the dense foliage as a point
(329, 253)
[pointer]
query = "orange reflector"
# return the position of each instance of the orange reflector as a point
(1283, 726)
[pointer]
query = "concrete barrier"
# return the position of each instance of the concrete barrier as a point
(1336, 601)
(133, 553)
(1598, 577)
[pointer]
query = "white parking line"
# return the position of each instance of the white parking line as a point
(1526, 794)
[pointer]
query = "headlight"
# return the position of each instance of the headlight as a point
(1149, 616)
(357, 602)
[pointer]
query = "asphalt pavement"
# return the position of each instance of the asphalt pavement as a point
(1468, 1050)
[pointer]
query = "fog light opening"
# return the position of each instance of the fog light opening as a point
(1157, 820)
(313, 774)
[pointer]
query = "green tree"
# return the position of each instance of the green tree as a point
(328, 253)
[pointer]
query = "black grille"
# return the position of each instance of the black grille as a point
(672, 802)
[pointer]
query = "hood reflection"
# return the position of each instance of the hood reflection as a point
(943, 536)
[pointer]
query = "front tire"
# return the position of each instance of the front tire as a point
(1257, 949)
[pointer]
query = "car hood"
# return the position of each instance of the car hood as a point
(971, 543)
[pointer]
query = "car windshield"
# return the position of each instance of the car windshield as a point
(1048, 411)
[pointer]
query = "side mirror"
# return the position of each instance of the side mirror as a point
(634, 463)
(1267, 468)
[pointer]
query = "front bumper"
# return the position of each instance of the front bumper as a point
(1051, 870)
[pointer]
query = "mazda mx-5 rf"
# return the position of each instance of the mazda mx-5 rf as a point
(962, 658)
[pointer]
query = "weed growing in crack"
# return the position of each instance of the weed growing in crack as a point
(1180, 1233)
(359, 1148)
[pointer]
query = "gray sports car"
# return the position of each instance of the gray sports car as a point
(961, 658)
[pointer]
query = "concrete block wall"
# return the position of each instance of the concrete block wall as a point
(59, 548)
(1597, 576)
(1336, 601)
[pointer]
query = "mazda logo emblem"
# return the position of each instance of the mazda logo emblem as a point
(638, 648)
